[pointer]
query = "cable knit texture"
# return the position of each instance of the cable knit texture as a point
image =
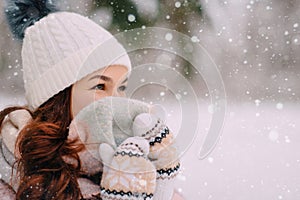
(62, 48)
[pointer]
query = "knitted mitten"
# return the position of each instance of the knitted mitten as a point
(108, 120)
(163, 152)
(127, 173)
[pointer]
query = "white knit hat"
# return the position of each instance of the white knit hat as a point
(62, 48)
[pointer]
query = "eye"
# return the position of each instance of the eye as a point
(122, 88)
(99, 87)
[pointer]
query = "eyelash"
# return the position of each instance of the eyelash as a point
(97, 87)
(122, 88)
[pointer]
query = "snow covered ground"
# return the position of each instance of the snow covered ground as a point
(257, 157)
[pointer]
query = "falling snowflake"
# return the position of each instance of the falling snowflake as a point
(131, 18)
(169, 36)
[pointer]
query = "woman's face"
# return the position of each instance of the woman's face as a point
(110, 81)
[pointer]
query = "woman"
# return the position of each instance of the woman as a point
(60, 79)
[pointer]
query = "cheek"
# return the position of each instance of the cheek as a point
(80, 99)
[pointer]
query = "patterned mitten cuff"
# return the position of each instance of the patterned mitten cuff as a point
(127, 172)
(163, 152)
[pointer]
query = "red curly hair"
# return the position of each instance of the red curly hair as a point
(41, 146)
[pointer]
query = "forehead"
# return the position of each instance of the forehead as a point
(112, 71)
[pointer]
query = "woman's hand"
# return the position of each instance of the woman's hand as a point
(127, 172)
(163, 151)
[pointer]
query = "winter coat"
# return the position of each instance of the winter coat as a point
(11, 127)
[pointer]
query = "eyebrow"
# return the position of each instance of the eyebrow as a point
(105, 78)
(125, 80)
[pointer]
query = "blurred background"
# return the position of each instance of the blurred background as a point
(254, 44)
